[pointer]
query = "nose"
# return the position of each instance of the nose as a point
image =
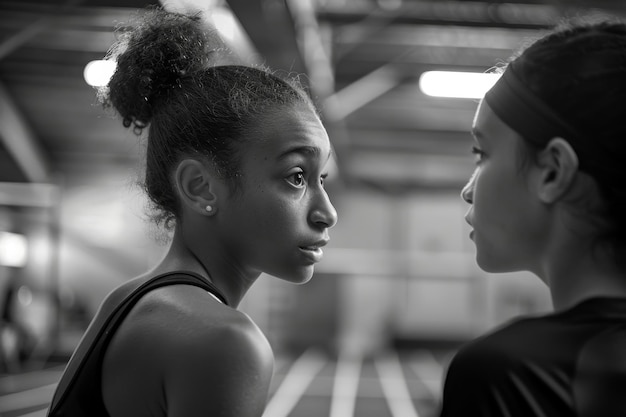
(467, 193)
(323, 213)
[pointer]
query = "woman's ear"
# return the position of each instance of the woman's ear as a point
(197, 186)
(558, 164)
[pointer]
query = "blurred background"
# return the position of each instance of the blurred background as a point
(398, 290)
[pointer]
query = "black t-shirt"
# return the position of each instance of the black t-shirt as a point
(571, 363)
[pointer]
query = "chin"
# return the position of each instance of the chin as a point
(488, 265)
(490, 268)
(300, 276)
(495, 266)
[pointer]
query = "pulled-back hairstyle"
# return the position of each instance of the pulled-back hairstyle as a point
(171, 77)
(579, 71)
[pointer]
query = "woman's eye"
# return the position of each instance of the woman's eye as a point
(297, 179)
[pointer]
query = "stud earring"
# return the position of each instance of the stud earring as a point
(209, 208)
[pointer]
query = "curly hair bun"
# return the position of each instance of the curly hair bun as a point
(154, 55)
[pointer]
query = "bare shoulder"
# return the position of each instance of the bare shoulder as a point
(182, 344)
(200, 325)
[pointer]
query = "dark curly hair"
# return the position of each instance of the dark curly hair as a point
(579, 71)
(171, 77)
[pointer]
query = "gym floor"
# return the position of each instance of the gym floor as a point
(403, 383)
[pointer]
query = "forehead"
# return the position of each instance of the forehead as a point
(289, 128)
(488, 127)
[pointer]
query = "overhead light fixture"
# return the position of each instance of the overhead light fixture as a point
(457, 84)
(98, 73)
(13, 249)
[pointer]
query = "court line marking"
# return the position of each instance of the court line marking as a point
(28, 398)
(38, 413)
(394, 386)
(29, 380)
(345, 386)
(429, 371)
(295, 383)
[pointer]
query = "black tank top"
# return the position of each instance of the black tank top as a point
(79, 392)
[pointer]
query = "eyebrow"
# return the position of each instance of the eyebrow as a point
(303, 150)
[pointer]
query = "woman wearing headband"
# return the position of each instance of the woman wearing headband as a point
(548, 196)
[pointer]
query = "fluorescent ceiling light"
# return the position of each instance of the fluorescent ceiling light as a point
(98, 73)
(457, 84)
(13, 249)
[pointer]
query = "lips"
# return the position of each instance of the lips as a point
(314, 247)
(313, 252)
(469, 222)
(468, 219)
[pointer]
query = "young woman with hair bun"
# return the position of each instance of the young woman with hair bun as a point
(548, 196)
(235, 167)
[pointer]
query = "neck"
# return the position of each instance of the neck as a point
(210, 263)
(583, 275)
(571, 260)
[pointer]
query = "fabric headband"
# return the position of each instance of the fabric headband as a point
(517, 106)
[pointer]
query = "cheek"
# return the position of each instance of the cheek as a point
(505, 210)
(285, 217)
(272, 214)
(485, 190)
(272, 220)
(497, 196)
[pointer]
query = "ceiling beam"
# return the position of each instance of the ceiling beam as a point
(20, 141)
(29, 194)
(362, 91)
(270, 26)
(21, 37)
(312, 49)
(463, 13)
